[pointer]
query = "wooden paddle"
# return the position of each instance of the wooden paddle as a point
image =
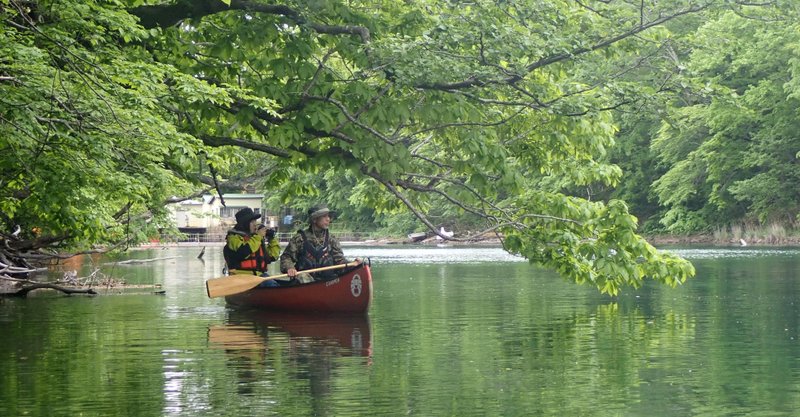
(235, 284)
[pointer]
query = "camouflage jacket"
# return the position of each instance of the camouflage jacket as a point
(294, 250)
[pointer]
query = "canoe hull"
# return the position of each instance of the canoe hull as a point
(349, 293)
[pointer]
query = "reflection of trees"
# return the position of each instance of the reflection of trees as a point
(314, 363)
(745, 352)
(245, 352)
(603, 352)
(517, 344)
(512, 343)
(68, 356)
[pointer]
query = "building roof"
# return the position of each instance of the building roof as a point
(190, 203)
(242, 196)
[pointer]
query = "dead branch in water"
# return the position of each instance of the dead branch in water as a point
(140, 261)
(69, 284)
(28, 286)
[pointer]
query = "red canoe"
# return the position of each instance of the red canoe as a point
(351, 292)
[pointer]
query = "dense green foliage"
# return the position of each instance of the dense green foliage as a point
(85, 139)
(498, 111)
(732, 151)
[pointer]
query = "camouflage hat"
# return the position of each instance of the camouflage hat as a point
(319, 210)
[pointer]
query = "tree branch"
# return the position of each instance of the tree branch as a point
(165, 15)
(475, 81)
(218, 141)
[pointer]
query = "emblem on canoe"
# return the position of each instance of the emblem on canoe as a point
(355, 285)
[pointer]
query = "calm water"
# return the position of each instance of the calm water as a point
(451, 332)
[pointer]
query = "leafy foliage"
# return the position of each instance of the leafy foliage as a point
(497, 111)
(732, 152)
(84, 136)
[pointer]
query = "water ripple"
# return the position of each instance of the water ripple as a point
(433, 255)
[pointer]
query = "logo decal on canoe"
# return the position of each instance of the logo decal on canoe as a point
(355, 285)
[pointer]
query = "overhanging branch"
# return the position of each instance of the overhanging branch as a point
(218, 141)
(475, 81)
(165, 15)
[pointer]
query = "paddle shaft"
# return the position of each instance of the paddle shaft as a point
(235, 284)
(311, 271)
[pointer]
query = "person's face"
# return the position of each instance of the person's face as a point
(322, 222)
(253, 225)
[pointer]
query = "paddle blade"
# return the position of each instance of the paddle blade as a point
(234, 284)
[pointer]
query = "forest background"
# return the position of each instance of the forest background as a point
(709, 152)
(566, 128)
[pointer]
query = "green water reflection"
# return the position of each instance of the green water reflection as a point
(452, 331)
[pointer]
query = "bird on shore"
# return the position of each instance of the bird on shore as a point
(444, 233)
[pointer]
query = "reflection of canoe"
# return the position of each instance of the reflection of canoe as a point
(350, 331)
(248, 331)
(351, 292)
(235, 337)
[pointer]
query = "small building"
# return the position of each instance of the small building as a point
(234, 203)
(207, 216)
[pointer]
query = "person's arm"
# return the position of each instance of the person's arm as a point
(238, 250)
(241, 248)
(336, 251)
(273, 249)
(289, 256)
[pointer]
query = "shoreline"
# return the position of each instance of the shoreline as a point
(656, 240)
(710, 240)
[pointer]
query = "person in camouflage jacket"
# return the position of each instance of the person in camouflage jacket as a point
(313, 247)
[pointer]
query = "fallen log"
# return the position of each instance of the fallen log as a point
(23, 292)
(21, 287)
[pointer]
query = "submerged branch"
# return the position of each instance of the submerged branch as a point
(141, 261)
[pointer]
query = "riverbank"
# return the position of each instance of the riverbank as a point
(659, 240)
(367, 242)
